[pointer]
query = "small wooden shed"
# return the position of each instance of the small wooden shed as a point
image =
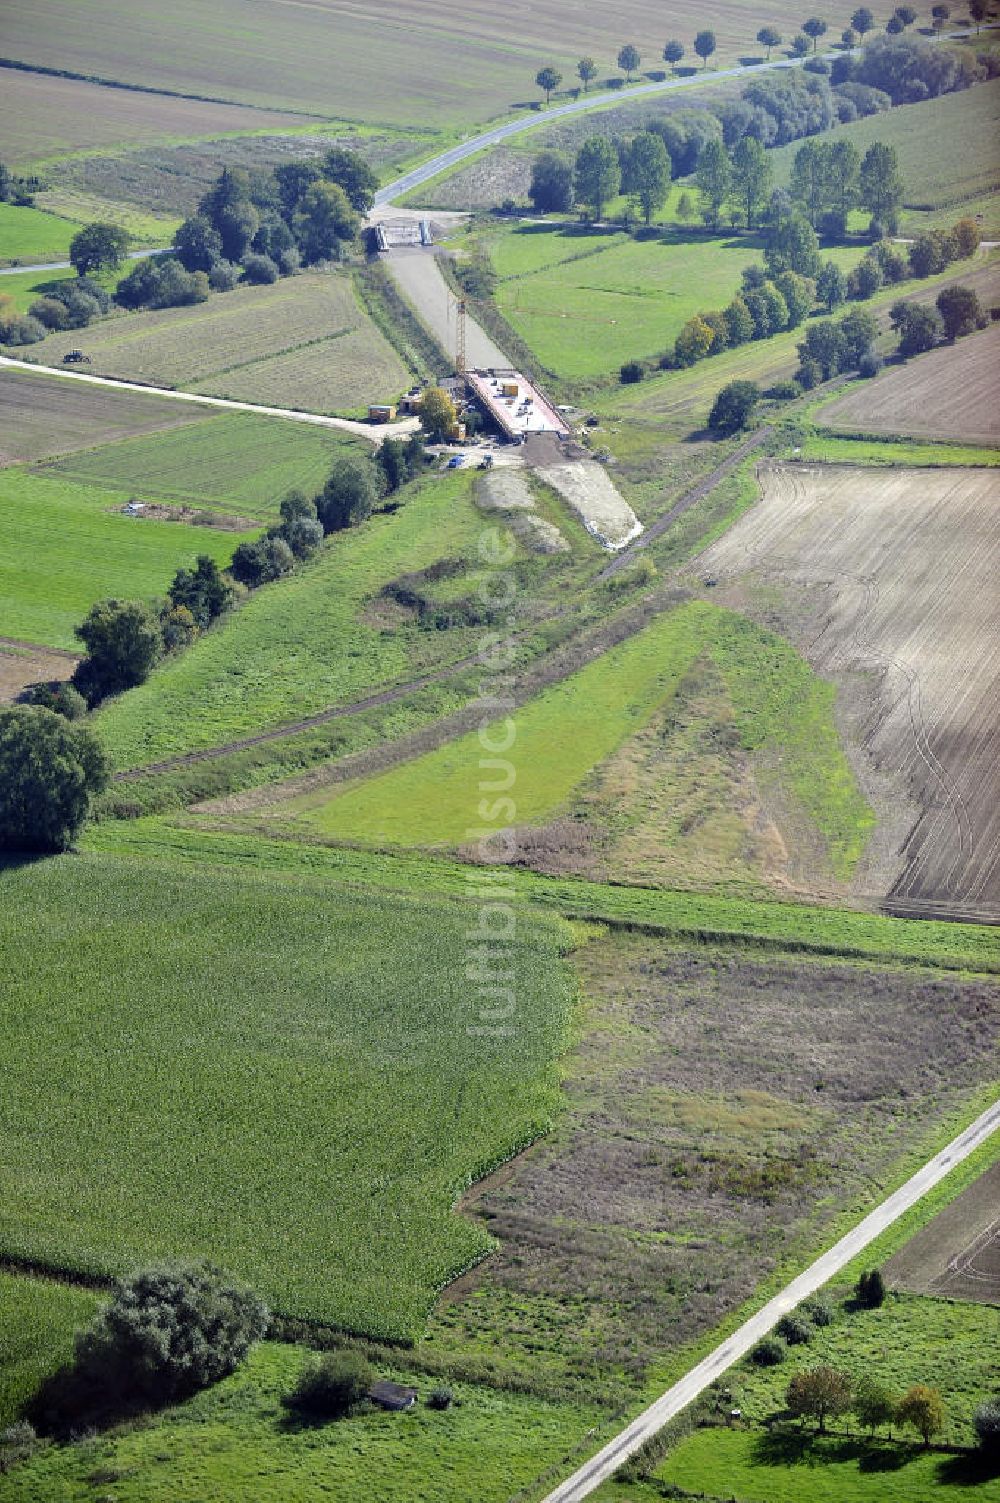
(392, 1395)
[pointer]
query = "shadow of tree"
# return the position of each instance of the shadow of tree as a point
(968, 1470)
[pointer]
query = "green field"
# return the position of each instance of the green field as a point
(25, 286)
(232, 1444)
(573, 727)
(37, 1320)
(280, 1076)
(30, 235)
(949, 156)
(230, 462)
(63, 546)
(303, 342)
(583, 315)
(314, 625)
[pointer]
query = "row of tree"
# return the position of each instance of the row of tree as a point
(805, 41)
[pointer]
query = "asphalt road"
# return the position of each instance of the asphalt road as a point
(16, 271)
(456, 154)
(374, 435)
(607, 1461)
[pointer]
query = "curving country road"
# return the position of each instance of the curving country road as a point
(603, 1466)
(423, 174)
(374, 435)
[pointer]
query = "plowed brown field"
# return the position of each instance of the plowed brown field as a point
(887, 582)
(958, 1253)
(948, 393)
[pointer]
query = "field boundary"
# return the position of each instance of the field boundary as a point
(734, 1347)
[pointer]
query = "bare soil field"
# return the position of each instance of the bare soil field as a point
(171, 179)
(887, 584)
(719, 1107)
(948, 393)
(41, 116)
(506, 492)
(21, 664)
(40, 418)
(303, 342)
(402, 60)
(957, 1255)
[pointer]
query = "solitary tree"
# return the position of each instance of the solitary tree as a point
(881, 186)
(751, 176)
(800, 44)
(49, 771)
(986, 1423)
(714, 178)
(169, 1331)
(939, 16)
(331, 1385)
(704, 45)
(906, 14)
(123, 643)
(921, 1408)
(733, 407)
(831, 286)
(323, 221)
(849, 37)
(960, 309)
(821, 1393)
(649, 172)
(673, 52)
(629, 60)
(870, 1289)
(352, 173)
(587, 71)
(98, 247)
(977, 10)
(597, 176)
(814, 28)
(917, 325)
(348, 496)
(548, 80)
(551, 189)
(769, 36)
(894, 26)
(863, 20)
(874, 1404)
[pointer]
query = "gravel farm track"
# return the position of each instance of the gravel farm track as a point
(894, 577)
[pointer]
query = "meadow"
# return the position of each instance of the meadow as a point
(63, 546)
(949, 156)
(37, 1320)
(307, 1122)
(233, 1442)
(235, 462)
(566, 733)
(585, 314)
(427, 60)
(31, 235)
(303, 342)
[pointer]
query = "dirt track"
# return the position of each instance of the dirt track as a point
(890, 588)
